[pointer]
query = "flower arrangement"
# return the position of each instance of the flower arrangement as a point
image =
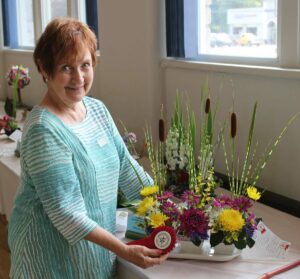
(8, 124)
(18, 77)
(184, 215)
(196, 211)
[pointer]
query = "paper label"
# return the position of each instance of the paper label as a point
(267, 244)
(102, 141)
(121, 219)
(16, 135)
(162, 240)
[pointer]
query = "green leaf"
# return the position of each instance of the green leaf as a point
(136, 173)
(241, 244)
(250, 242)
(216, 238)
(241, 189)
(197, 241)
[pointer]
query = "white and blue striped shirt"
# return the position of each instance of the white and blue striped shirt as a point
(69, 183)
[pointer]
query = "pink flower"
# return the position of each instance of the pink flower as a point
(170, 209)
(190, 198)
(194, 223)
(241, 203)
(18, 74)
(166, 195)
(222, 201)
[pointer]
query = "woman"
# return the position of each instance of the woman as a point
(73, 161)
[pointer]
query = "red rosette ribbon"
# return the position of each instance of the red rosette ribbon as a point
(162, 238)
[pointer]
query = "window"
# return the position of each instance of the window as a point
(16, 33)
(25, 27)
(251, 32)
(238, 28)
(24, 20)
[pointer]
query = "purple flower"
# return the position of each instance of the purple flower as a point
(190, 198)
(130, 138)
(170, 209)
(249, 231)
(222, 201)
(251, 219)
(194, 222)
(241, 203)
(166, 195)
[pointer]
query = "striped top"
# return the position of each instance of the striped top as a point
(69, 183)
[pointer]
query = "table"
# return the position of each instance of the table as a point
(9, 170)
(247, 266)
(286, 226)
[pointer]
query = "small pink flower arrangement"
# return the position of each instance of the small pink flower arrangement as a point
(18, 77)
(8, 124)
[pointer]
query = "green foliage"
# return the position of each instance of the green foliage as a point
(216, 238)
(251, 170)
(156, 158)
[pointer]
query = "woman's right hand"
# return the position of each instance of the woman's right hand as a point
(143, 256)
(136, 254)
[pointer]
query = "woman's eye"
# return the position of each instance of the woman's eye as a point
(66, 68)
(86, 65)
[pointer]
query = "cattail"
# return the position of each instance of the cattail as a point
(207, 105)
(161, 130)
(233, 125)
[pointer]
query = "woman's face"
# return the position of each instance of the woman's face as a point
(72, 80)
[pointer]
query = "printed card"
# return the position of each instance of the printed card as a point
(267, 244)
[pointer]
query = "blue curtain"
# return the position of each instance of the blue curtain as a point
(10, 30)
(175, 28)
(92, 15)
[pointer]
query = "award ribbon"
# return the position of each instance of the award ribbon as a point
(162, 238)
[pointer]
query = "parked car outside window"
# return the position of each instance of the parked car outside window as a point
(220, 39)
(249, 39)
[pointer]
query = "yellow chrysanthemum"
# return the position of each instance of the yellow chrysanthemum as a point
(150, 190)
(253, 193)
(231, 220)
(145, 205)
(157, 219)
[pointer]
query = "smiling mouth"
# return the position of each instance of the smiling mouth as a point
(77, 88)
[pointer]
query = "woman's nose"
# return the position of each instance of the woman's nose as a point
(78, 75)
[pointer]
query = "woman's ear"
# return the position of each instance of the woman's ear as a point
(43, 72)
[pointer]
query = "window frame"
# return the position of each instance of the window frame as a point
(288, 35)
(42, 16)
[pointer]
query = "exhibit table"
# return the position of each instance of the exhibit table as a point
(9, 169)
(247, 265)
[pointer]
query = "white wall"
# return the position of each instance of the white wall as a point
(130, 70)
(131, 81)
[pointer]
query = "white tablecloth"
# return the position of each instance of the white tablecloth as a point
(9, 170)
(247, 265)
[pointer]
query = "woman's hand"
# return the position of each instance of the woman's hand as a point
(136, 254)
(143, 256)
